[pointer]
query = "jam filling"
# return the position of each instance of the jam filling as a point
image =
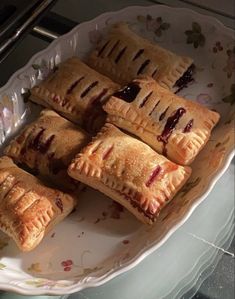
(64, 102)
(188, 127)
(153, 176)
(134, 200)
(55, 165)
(129, 93)
(59, 204)
(74, 182)
(94, 111)
(37, 145)
(169, 127)
(11, 188)
(187, 77)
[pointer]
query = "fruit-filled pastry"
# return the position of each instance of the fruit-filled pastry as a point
(123, 55)
(47, 146)
(75, 91)
(175, 127)
(130, 172)
(28, 209)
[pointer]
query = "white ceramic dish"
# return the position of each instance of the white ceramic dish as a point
(211, 223)
(100, 241)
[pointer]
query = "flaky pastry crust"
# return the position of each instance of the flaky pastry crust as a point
(47, 146)
(173, 126)
(129, 171)
(28, 209)
(75, 91)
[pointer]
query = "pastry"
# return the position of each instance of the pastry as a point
(28, 209)
(47, 146)
(75, 91)
(172, 125)
(123, 55)
(129, 171)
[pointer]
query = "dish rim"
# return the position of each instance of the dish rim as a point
(148, 249)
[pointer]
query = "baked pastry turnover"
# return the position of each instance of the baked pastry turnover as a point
(28, 209)
(75, 91)
(129, 171)
(47, 146)
(123, 55)
(172, 125)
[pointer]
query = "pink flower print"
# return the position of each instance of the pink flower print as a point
(195, 36)
(151, 24)
(155, 25)
(217, 47)
(67, 265)
(230, 65)
(204, 98)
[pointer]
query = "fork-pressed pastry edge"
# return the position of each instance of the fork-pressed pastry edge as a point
(43, 207)
(117, 189)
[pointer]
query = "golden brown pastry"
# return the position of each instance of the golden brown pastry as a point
(75, 91)
(129, 171)
(47, 146)
(123, 55)
(172, 125)
(28, 209)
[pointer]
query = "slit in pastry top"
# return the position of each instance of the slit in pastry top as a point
(175, 127)
(129, 171)
(123, 55)
(77, 92)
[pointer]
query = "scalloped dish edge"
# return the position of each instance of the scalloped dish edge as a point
(148, 249)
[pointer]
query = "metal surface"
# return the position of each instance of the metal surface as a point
(5, 47)
(45, 33)
(51, 26)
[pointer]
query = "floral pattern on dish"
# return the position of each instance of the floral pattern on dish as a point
(195, 36)
(217, 47)
(156, 25)
(113, 211)
(2, 266)
(35, 268)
